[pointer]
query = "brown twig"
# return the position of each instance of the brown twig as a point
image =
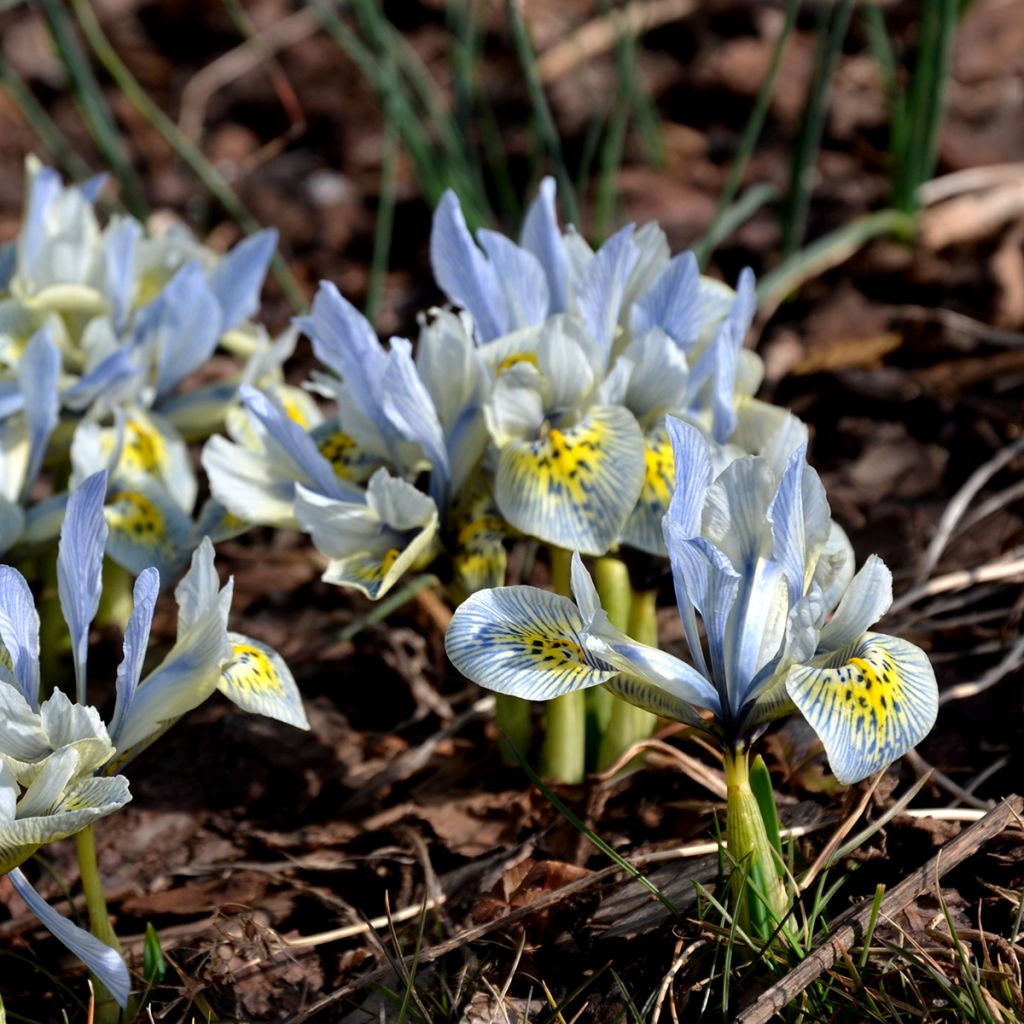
(960, 502)
(1005, 568)
(600, 34)
(245, 57)
(848, 928)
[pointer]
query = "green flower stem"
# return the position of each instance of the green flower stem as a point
(107, 1011)
(512, 716)
(607, 725)
(564, 753)
(117, 598)
(629, 724)
(758, 888)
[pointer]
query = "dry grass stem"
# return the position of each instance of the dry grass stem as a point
(961, 501)
(599, 35)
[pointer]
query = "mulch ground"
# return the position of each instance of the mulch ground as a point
(907, 361)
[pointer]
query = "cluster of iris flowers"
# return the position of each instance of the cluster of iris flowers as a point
(599, 403)
(534, 407)
(99, 329)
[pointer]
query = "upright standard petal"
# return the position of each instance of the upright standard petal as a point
(344, 341)
(694, 473)
(523, 641)
(106, 963)
(799, 518)
(866, 600)
(575, 487)
(136, 639)
(38, 374)
(869, 702)
(258, 680)
(599, 292)
(716, 366)
(295, 444)
(238, 279)
(83, 537)
(672, 303)
(462, 271)
(180, 327)
(410, 409)
(521, 278)
(192, 668)
(120, 241)
(540, 236)
(19, 631)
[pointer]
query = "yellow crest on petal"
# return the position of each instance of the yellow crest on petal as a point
(146, 528)
(643, 529)
(870, 703)
(258, 680)
(136, 515)
(518, 357)
(574, 487)
(346, 458)
(143, 448)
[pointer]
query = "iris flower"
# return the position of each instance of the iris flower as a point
(59, 762)
(99, 328)
(773, 622)
(351, 481)
(590, 351)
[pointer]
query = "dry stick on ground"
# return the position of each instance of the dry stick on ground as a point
(1007, 568)
(974, 179)
(943, 781)
(601, 34)
(959, 503)
(973, 216)
(413, 760)
(961, 323)
(706, 776)
(848, 928)
(1011, 662)
(235, 63)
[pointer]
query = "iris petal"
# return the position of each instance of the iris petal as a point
(869, 703)
(655, 699)
(576, 487)
(80, 566)
(103, 961)
(258, 680)
(540, 235)
(523, 641)
(19, 632)
(147, 529)
(866, 600)
(480, 559)
(643, 529)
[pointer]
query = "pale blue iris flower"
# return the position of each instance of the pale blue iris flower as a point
(276, 473)
(758, 563)
(58, 759)
(100, 327)
(350, 482)
(591, 350)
